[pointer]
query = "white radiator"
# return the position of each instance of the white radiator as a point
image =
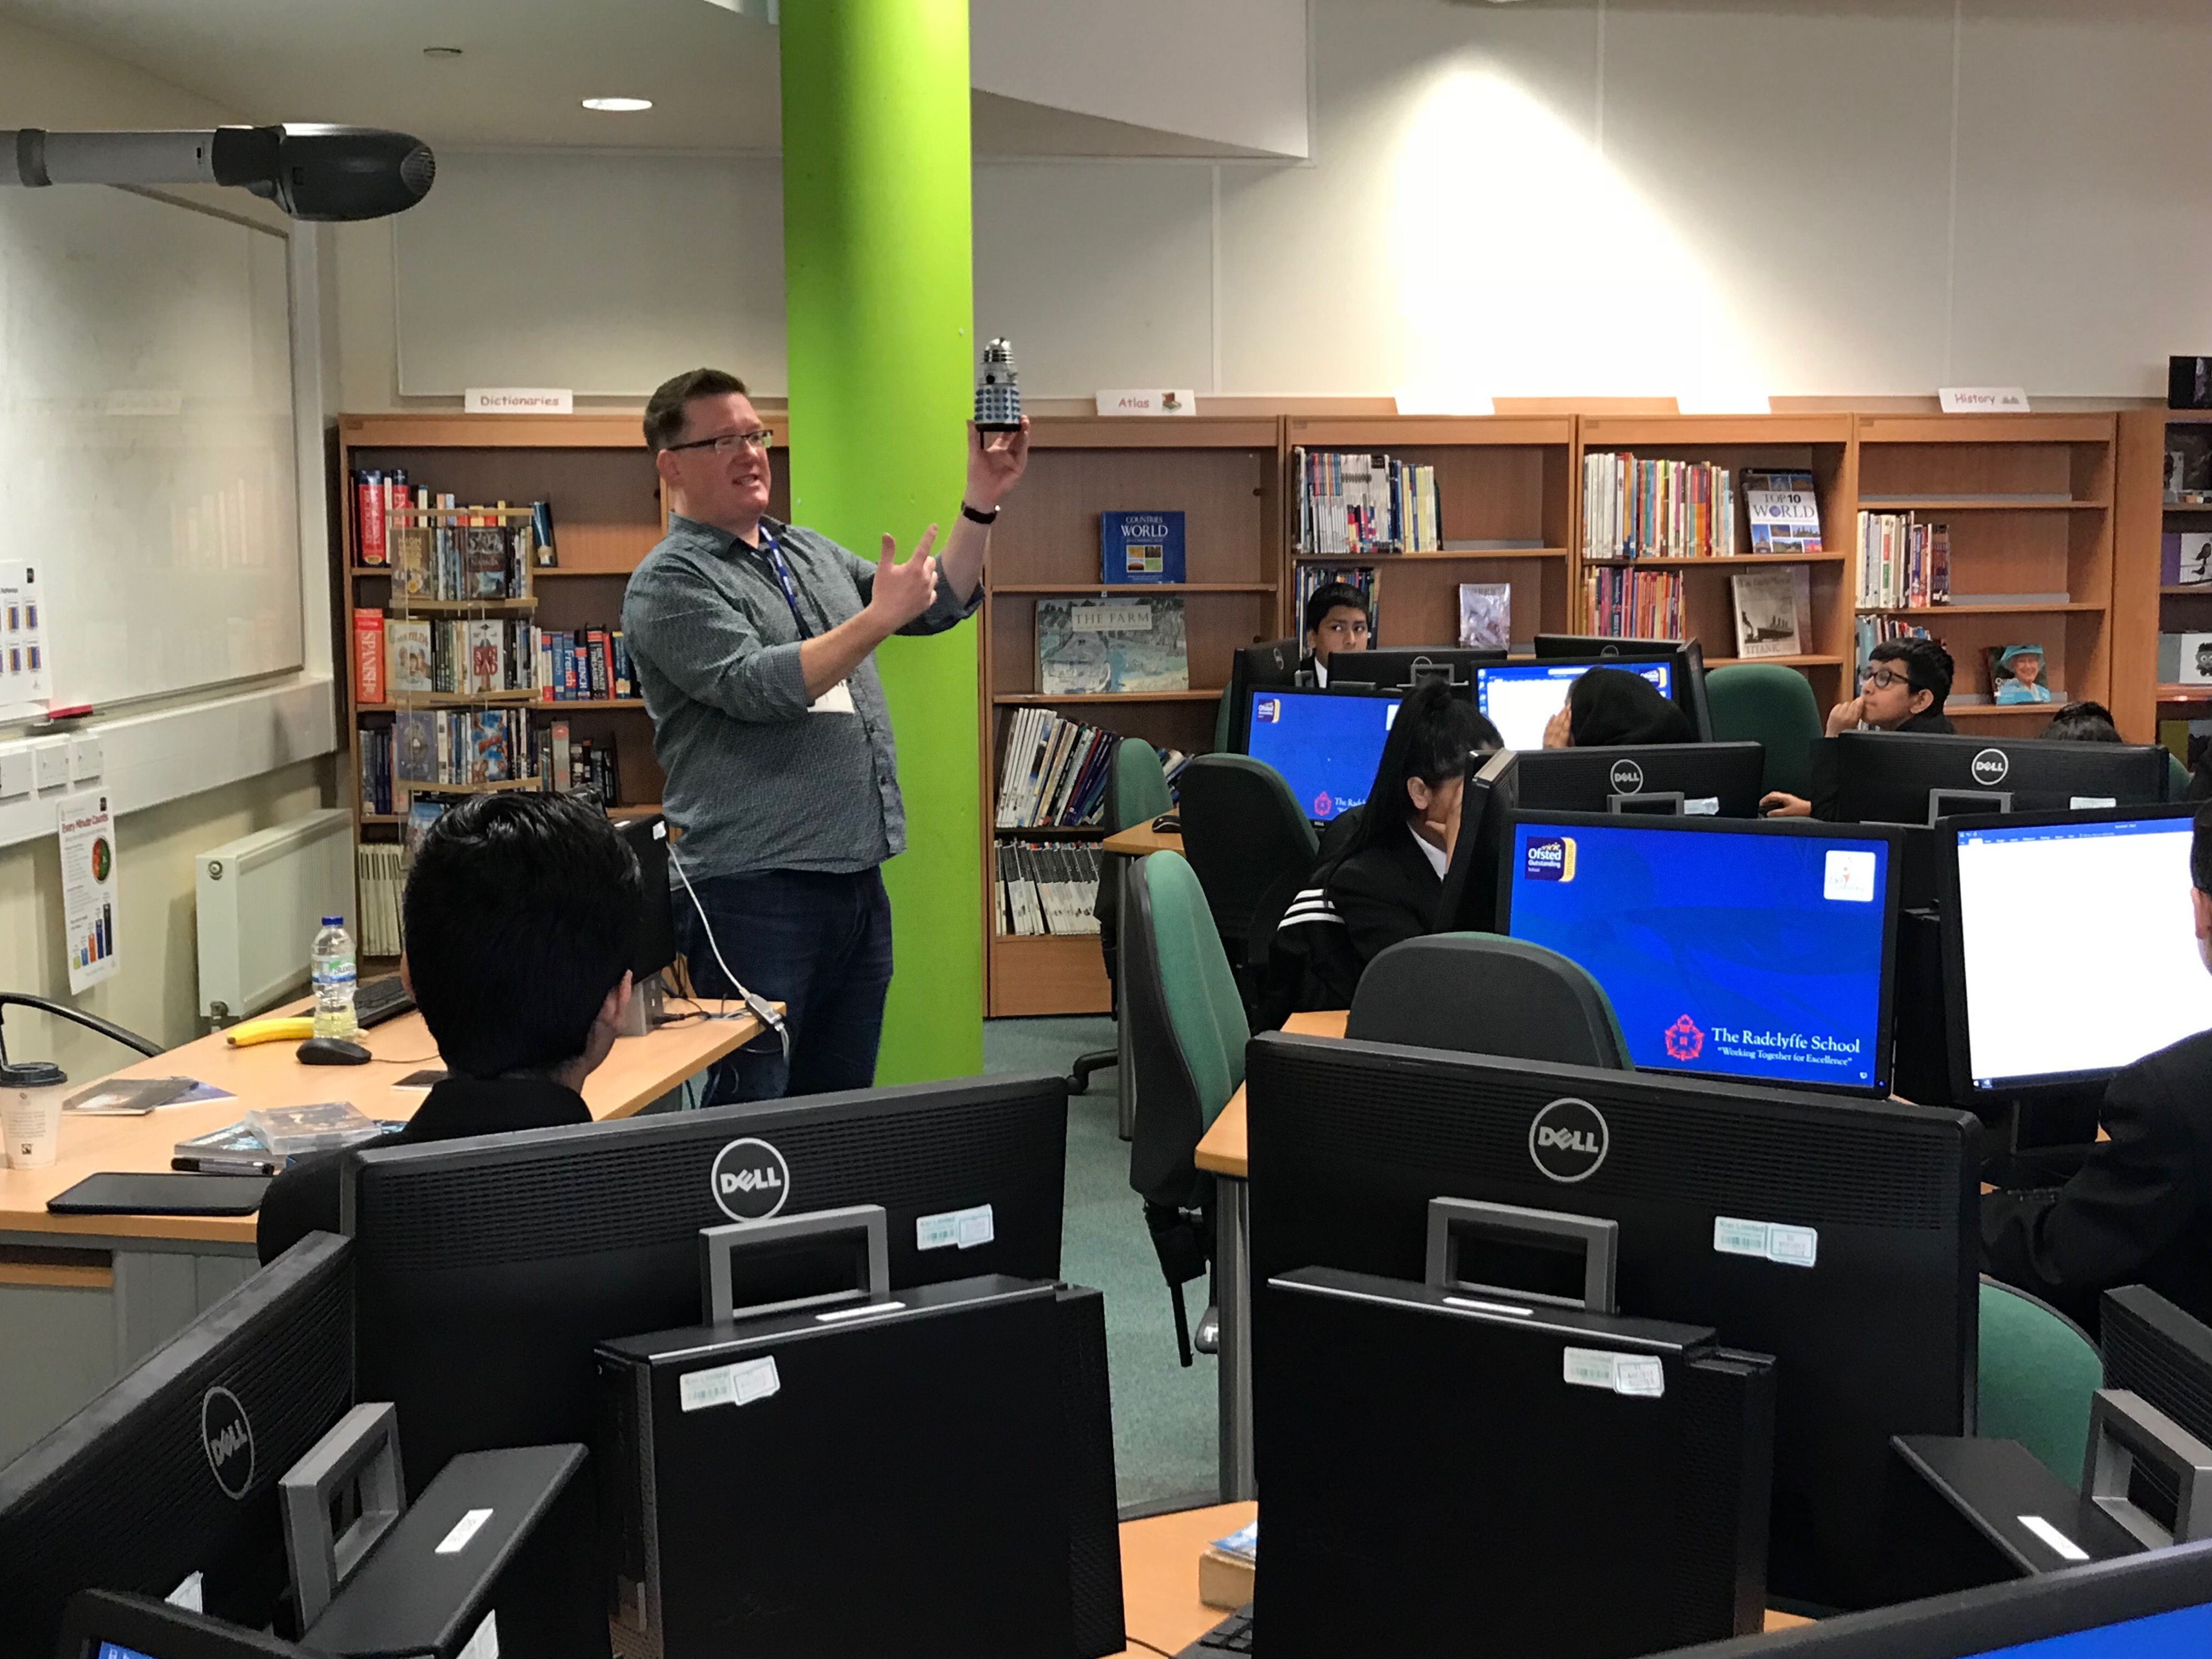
(261, 899)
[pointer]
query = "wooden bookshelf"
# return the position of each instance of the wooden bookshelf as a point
(1818, 444)
(2029, 502)
(2144, 605)
(1223, 475)
(607, 514)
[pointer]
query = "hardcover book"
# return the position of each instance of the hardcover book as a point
(369, 654)
(486, 572)
(1485, 615)
(2195, 663)
(411, 665)
(2185, 559)
(1784, 512)
(415, 746)
(1139, 547)
(484, 672)
(1087, 646)
(409, 544)
(1769, 607)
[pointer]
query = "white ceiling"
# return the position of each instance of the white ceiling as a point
(525, 64)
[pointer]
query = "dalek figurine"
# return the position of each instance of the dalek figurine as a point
(998, 392)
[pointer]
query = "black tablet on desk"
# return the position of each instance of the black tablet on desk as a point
(161, 1193)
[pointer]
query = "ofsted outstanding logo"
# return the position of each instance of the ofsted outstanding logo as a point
(228, 1439)
(1568, 1139)
(1990, 766)
(1627, 777)
(749, 1180)
(1549, 858)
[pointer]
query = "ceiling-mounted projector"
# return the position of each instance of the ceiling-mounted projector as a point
(311, 171)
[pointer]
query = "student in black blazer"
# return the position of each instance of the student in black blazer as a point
(521, 916)
(1390, 874)
(1609, 707)
(2140, 1211)
(1336, 620)
(1903, 689)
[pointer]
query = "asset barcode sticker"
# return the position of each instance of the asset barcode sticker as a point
(1702, 807)
(2090, 803)
(1770, 1241)
(955, 1228)
(1635, 1374)
(728, 1385)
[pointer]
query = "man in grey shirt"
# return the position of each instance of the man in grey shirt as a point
(754, 644)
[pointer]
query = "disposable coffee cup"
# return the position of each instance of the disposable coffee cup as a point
(31, 1113)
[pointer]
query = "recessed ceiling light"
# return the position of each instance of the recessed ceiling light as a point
(621, 104)
(442, 51)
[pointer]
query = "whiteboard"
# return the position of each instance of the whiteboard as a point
(148, 467)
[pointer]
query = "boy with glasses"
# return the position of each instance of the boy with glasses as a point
(1903, 690)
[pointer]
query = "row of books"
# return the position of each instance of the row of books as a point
(1869, 631)
(1054, 772)
(430, 749)
(380, 869)
(439, 549)
(1312, 578)
(1046, 888)
(1366, 504)
(1903, 563)
(1633, 604)
(395, 657)
(1655, 509)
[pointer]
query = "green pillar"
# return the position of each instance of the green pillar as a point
(878, 295)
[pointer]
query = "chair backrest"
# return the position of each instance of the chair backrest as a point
(1765, 703)
(1187, 1027)
(2176, 777)
(1243, 833)
(1222, 712)
(2038, 1371)
(1137, 792)
(1486, 995)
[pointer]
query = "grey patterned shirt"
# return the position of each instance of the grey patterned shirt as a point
(755, 781)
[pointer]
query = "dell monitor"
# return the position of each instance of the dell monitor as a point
(1917, 777)
(488, 1269)
(2154, 1606)
(1687, 655)
(1696, 780)
(1520, 698)
(1402, 668)
(1469, 903)
(1840, 1237)
(2154, 1349)
(168, 1480)
(1325, 743)
(111, 1624)
(2099, 898)
(1754, 949)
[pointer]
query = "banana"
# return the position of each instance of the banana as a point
(297, 1029)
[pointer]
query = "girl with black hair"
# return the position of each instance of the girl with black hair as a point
(1609, 707)
(1387, 880)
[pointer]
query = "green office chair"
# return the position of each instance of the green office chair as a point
(1136, 793)
(1187, 1033)
(1764, 703)
(1221, 720)
(2176, 777)
(1481, 994)
(2038, 1370)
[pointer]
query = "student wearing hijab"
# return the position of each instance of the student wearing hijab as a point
(1609, 706)
(1387, 882)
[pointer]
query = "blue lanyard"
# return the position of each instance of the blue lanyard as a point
(774, 555)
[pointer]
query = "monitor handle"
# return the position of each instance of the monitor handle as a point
(2125, 1429)
(360, 1454)
(1423, 668)
(1963, 803)
(865, 1223)
(1453, 1219)
(1659, 803)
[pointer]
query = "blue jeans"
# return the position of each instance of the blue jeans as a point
(820, 944)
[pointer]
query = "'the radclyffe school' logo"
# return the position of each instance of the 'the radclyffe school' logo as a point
(1684, 1042)
(1322, 803)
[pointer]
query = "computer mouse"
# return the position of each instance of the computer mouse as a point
(332, 1051)
(1167, 821)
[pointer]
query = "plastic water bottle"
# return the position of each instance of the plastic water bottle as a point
(332, 961)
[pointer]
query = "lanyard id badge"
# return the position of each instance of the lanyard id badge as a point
(774, 554)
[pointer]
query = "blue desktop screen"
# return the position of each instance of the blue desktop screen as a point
(1326, 745)
(1520, 698)
(117, 1650)
(1727, 952)
(2160, 1636)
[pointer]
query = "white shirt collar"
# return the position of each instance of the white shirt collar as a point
(1435, 854)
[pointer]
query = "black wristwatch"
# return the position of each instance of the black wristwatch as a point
(976, 516)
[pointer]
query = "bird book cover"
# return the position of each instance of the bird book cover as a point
(1139, 547)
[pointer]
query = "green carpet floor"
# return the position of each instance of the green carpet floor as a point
(1165, 1436)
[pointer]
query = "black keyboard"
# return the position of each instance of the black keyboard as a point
(377, 1000)
(1232, 1635)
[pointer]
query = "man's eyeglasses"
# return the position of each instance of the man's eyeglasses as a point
(1882, 679)
(760, 439)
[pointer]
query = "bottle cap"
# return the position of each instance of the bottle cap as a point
(333, 921)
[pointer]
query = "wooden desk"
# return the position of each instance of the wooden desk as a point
(1222, 1149)
(83, 1299)
(1142, 839)
(1160, 1606)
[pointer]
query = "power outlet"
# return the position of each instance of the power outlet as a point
(52, 761)
(84, 759)
(15, 771)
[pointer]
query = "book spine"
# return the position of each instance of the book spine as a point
(368, 655)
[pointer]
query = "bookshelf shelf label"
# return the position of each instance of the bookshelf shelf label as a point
(518, 400)
(1983, 400)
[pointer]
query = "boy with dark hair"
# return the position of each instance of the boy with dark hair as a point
(1903, 690)
(521, 919)
(2083, 722)
(1336, 620)
(2140, 1211)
